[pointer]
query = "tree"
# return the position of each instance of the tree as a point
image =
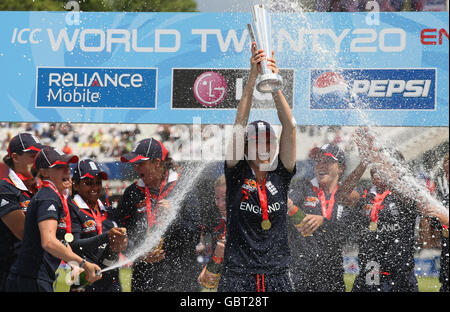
(102, 5)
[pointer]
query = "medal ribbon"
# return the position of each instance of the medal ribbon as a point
(65, 205)
(379, 198)
(262, 193)
(98, 218)
(152, 216)
(221, 226)
(327, 205)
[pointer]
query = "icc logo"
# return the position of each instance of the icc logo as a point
(210, 89)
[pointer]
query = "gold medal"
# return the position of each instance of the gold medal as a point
(373, 226)
(68, 237)
(266, 225)
(445, 232)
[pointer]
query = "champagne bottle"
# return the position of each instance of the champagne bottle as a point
(297, 217)
(213, 271)
(214, 267)
(82, 282)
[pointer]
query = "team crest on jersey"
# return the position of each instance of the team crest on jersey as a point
(62, 223)
(311, 201)
(24, 205)
(249, 185)
(271, 188)
(368, 209)
(141, 206)
(89, 226)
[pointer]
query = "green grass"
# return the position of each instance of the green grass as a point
(426, 284)
(124, 275)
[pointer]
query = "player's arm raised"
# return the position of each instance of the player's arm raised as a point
(235, 148)
(288, 132)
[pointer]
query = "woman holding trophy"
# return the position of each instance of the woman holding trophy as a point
(257, 253)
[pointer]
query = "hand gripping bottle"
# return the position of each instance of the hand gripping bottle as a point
(214, 267)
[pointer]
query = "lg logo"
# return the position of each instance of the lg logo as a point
(210, 89)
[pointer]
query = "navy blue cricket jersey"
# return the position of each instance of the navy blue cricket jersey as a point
(33, 261)
(389, 248)
(317, 262)
(443, 195)
(14, 195)
(85, 227)
(179, 269)
(249, 248)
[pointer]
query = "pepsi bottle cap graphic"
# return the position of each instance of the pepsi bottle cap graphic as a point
(330, 82)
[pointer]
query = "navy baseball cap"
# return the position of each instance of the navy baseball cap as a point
(24, 142)
(329, 150)
(144, 150)
(87, 168)
(48, 157)
(255, 128)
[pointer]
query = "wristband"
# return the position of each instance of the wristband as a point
(82, 263)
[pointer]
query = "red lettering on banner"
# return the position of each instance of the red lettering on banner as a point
(428, 36)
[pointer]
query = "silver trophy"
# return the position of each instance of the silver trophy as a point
(261, 33)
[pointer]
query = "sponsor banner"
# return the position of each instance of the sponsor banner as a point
(382, 89)
(96, 88)
(174, 67)
(221, 89)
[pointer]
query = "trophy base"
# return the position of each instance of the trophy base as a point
(269, 83)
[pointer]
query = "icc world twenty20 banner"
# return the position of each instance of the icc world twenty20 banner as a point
(337, 68)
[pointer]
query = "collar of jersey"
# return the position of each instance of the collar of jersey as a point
(17, 181)
(82, 204)
(315, 182)
(66, 191)
(373, 190)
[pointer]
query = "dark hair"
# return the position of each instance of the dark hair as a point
(170, 164)
(9, 161)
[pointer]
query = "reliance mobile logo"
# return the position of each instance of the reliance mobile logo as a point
(381, 89)
(96, 87)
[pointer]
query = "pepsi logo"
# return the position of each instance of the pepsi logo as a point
(329, 82)
(388, 89)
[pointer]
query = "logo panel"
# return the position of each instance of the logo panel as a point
(373, 89)
(96, 87)
(221, 89)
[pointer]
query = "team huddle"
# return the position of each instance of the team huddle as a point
(269, 235)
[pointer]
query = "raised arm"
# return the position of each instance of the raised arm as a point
(288, 134)
(346, 193)
(235, 148)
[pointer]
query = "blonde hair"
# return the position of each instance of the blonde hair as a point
(220, 181)
(445, 160)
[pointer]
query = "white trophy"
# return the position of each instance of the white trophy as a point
(261, 33)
